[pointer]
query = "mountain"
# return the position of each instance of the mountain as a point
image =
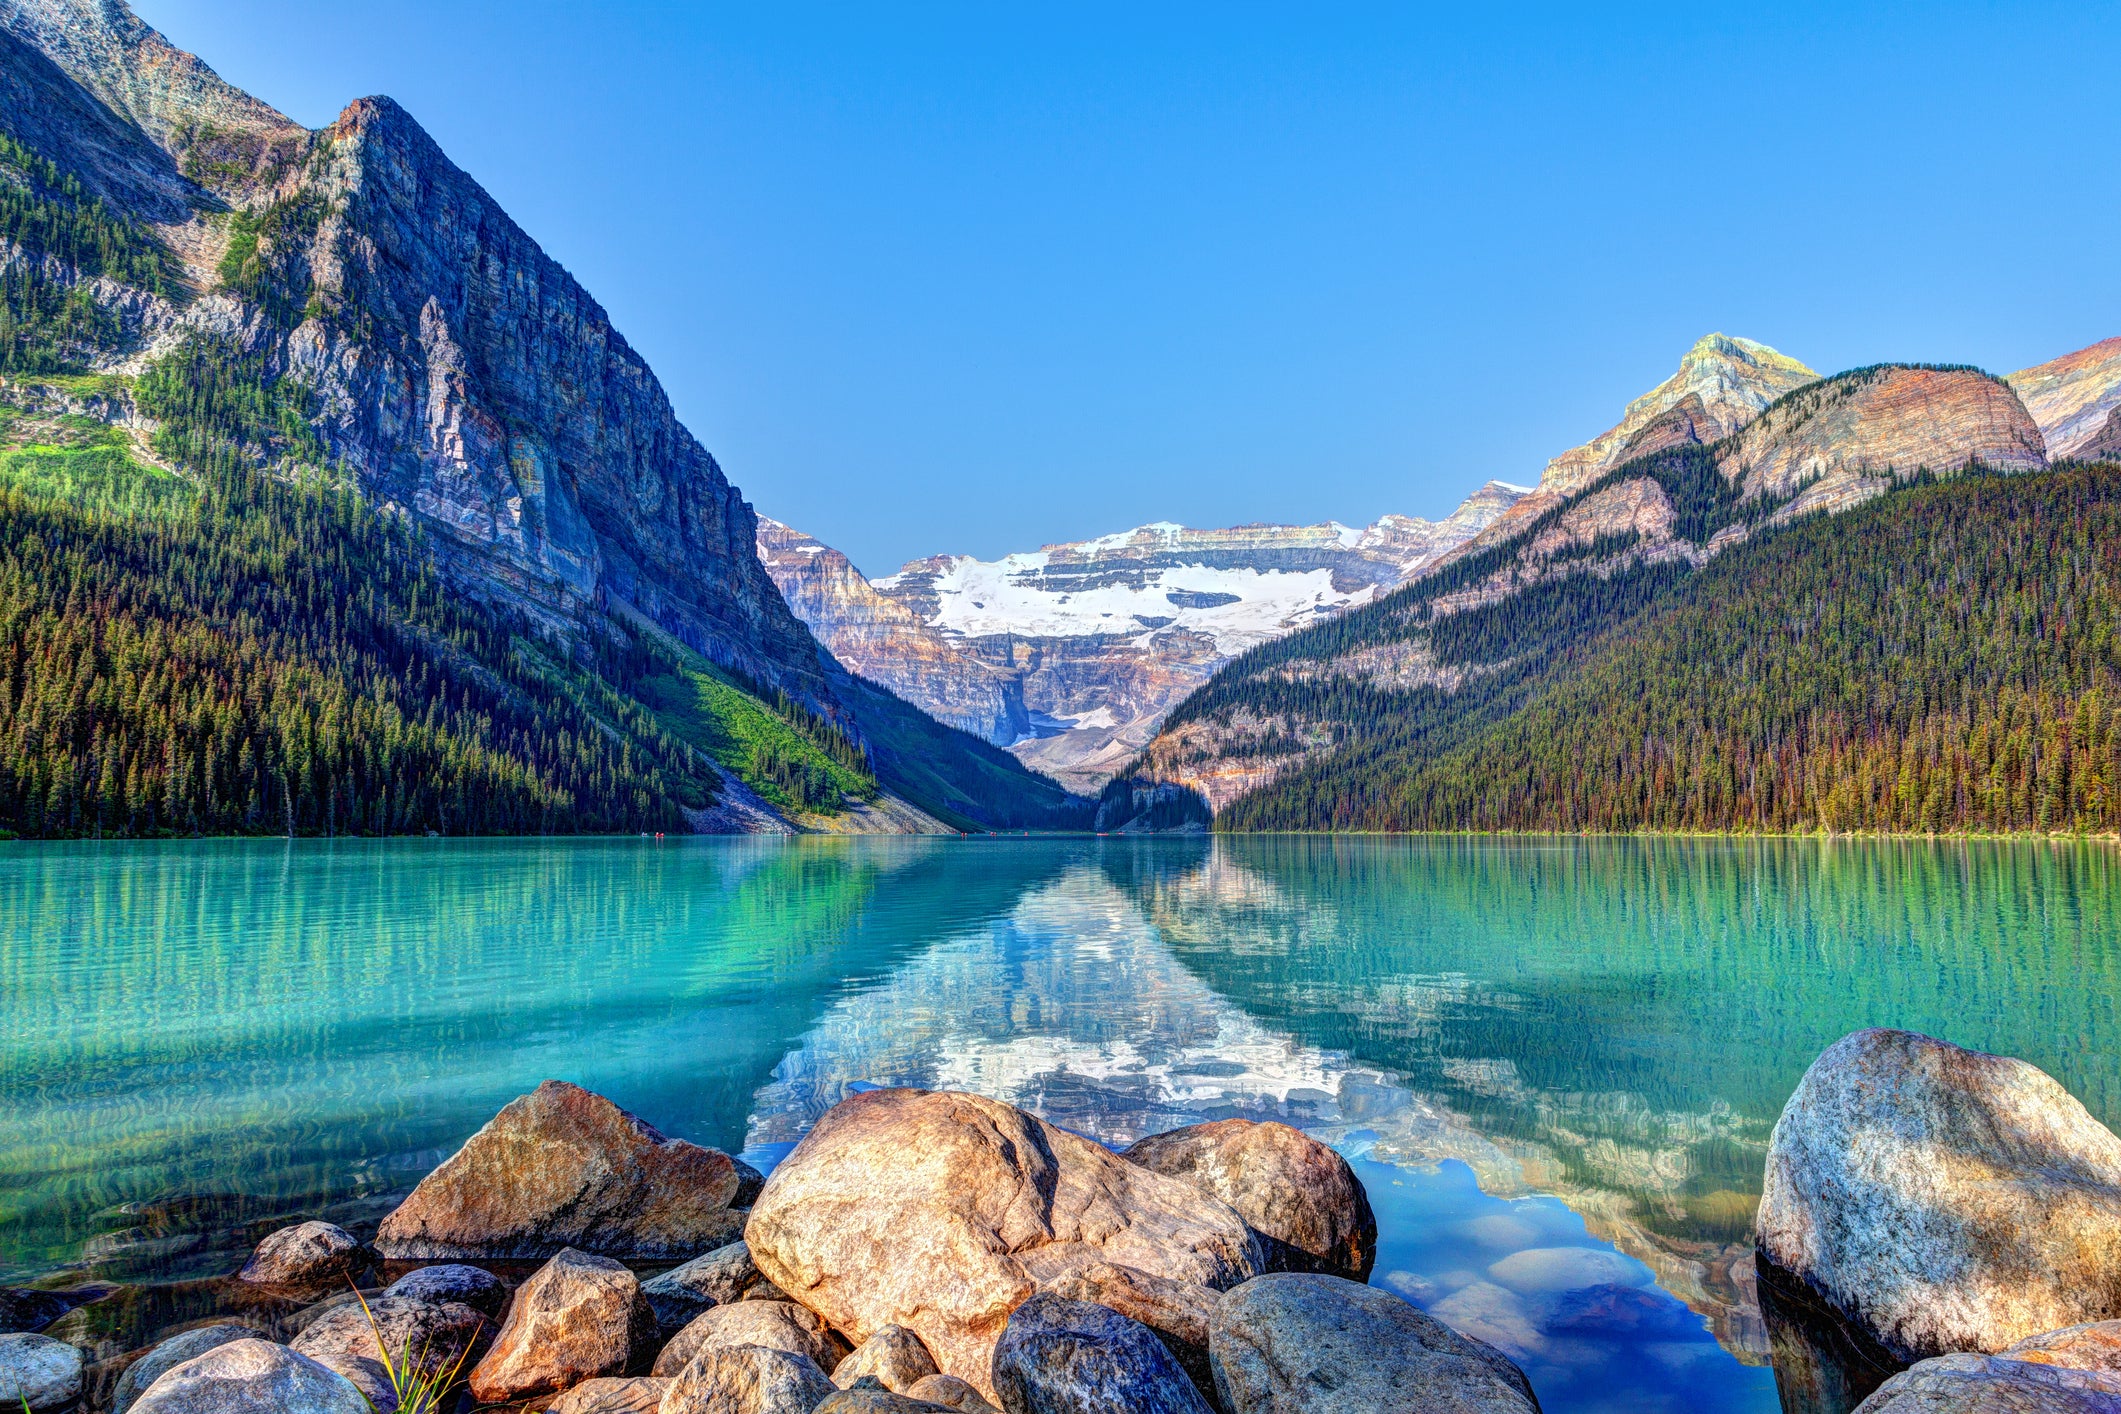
(1070, 655)
(233, 297)
(1322, 727)
(2076, 399)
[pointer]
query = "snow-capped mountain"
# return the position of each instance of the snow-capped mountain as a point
(1069, 655)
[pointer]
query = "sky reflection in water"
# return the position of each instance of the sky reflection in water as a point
(1555, 1064)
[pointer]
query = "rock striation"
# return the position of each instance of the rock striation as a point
(563, 1167)
(1942, 1200)
(2074, 398)
(944, 1212)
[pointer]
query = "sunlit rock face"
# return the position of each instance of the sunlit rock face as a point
(2075, 399)
(1129, 1041)
(1071, 654)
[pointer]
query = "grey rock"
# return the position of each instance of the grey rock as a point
(2072, 1371)
(716, 1279)
(1288, 1187)
(893, 1355)
(24, 1310)
(1943, 1200)
(170, 1353)
(1306, 1343)
(952, 1393)
(748, 1183)
(474, 1286)
(437, 1337)
(578, 1317)
(303, 1255)
(44, 1372)
(641, 1395)
(1180, 1312)
(777, 1325)
(1070, 1357)
(747, 1379)
(251, 1377)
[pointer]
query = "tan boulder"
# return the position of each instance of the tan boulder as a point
(562, 1167)
(578, 1317)
(1941, 1199)
(944, 1212)
(777, 1325)
(1288, 1187)
(642, 1395)
(747, 1379)
(894, 1355)
(952, 1393)
(2074, 1369)
(304, 1255)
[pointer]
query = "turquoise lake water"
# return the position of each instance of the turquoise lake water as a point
(1554, 1064)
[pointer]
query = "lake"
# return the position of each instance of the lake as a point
(1555, 1064)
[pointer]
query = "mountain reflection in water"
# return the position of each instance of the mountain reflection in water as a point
(1554, 1063)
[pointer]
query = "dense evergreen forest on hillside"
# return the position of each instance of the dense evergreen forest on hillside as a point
(1944, 658)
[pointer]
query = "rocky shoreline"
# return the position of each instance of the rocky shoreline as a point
(1955, 1216)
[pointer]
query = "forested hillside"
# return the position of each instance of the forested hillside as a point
(1944, 658)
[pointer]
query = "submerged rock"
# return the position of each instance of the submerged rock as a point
(1941, 1199)
(304, 1255)
(251, 1377)
(474, 1286)
(716, 1279)
(894, 1355)
(747, 1379)
(44, 1373)
(1070, 1357)
(354, 1339)
(562, 1167)
(183, 1346)
(25, 1310)
(2077, 1369)
(579, 1316)
(944, 1212)
(1306, 1343)
(777, 1325)
(1296, 1192)
(641, 1395)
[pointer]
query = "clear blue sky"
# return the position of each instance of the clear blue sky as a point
(974, 278)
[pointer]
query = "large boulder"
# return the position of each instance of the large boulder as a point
(170, 1353)
(641, 1395)
(39, 1372)
(1306, 1343)
(944, 1212)
(1180, 1312)
(1943, 1200)
(894, 1356)
(2072, 1371)
(22, 1309)
(777, 1325)
(1070, 1357)
(715, 1279)
(475, 1287)
(562, 1167)
(304, 1255)
(1292, 1190)
(577, 1317)
(356, 1339)
(251, 1377)
(747, 1379)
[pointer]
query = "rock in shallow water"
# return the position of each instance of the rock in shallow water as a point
(1305, 1343)
(943, 1212)
(1296, 1192)
(434, 1336)
(304, 1255)
(251, 1377)
(894, 1355)
(1941, 1199)
(562, 1167)
(747, 1379)
(25, 1310)
(2071, 1371)
(474, 1286)
(579, 1316)
(170, 1353)
(1070, 1357)
(777, 1325)
(45, 1373)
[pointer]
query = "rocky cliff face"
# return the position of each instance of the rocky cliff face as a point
(1830, 445)
(1071, 654)
(2075, 399)
(464, 377)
